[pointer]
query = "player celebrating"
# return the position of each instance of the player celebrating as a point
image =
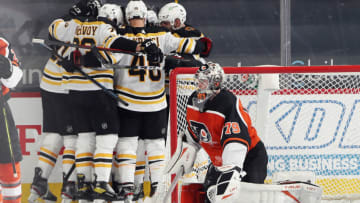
(95, 117)
(219, 124)
(10, 151)
(57, 121)
(144, 90)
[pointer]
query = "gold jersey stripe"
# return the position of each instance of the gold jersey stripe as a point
(102, 155)
(144, 35)
(140, 93)
(162, 99)
(81, 155)
(51, 82)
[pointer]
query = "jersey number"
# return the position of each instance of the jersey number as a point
(232, 128)
(154, 75)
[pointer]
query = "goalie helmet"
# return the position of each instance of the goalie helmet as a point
(208, 80)
(172, 11)
(135, 9)
(112, 12)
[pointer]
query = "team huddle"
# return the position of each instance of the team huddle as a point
(99, 51)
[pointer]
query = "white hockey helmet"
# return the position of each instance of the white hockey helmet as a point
(135, 9)
(152, 17)
(172, 11)
(112, 12)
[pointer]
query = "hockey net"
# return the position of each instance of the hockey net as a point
(308, 117)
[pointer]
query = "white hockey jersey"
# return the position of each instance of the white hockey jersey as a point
(51, 79)
(144, 90)
(85, 33)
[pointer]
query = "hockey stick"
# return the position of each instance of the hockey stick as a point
(179, 174)
(107, 91)
(8, 135)
(59, 43)
(95, 50)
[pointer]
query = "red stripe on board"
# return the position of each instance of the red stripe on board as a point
(25, 94)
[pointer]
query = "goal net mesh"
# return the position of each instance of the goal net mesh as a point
(308, 118)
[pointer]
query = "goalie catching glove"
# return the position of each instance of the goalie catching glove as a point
(6, 67)
(227, 187)
(184, 156)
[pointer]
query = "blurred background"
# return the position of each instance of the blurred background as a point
(244, 32)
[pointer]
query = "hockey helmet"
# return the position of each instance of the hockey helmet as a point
(172, 11)
(135, 9)
(152, 17)
(112, 12)
(208, 80)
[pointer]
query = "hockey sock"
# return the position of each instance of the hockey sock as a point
(140, 163)
(155, 149)
(10, 185)
(48, 154)
(126, 159)
(85, 146)
(69, 157)
(105, 145)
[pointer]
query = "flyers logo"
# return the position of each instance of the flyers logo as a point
(201, 131)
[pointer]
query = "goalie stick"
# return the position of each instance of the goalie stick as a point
(107, 91)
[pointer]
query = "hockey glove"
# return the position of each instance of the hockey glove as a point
(94, 6)
(6, 67)
(207, 43)
(70, 64)
(85, 8)
(154, 53)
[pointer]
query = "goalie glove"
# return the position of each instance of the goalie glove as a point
(227, 187)
(184, 156)
(6, 67)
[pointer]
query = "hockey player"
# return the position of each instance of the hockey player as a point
(218, 123)
(95, 117)
(144, 90)
(10, 151)
(57, 122)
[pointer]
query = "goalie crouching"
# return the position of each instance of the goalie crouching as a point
(217, 122)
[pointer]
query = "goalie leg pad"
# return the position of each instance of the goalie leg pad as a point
(49, 151)
(85, 147)
(184, 156)
(125, 161)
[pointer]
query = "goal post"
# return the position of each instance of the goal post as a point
(311, 120)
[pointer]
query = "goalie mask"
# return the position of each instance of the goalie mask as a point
(135, 9)
(172, 11)
(208, 80)
(112, 12)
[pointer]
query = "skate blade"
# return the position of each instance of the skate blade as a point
(49, 201)
(33, 198)
(84, 201)
(99, 201)
(66, 201)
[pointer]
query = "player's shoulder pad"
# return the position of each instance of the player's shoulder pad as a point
(226, 98)
(155, 29)
(3, 42)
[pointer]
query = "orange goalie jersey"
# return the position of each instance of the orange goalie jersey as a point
(224, 120)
